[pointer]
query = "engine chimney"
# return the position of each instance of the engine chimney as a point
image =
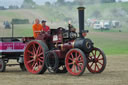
(81, 20)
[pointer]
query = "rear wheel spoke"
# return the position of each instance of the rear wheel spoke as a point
(33, 63)
(37, 51)
(72, 67)
(33, 69)
(72, 56)
(70, 59)
(70, 63)
(76, 55)
(30, 52)
(31, 56)
(34, 47)
(41, 54)
(40, 60)
(30, 61)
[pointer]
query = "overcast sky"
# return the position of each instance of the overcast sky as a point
(43, 1)
(7, 3)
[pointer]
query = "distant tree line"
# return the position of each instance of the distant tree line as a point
(79, 2)
(28, 4)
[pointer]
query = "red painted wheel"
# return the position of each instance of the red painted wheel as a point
(75, 62)
(96, 61)
(34, 57)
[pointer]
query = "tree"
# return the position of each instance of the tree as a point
(28, 4)
(79, 2)
(60, 2)
(83, 2)
(108, 1)
(96, 14)
(47, 3)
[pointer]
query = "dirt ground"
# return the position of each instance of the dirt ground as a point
(116, 73)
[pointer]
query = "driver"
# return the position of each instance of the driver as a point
(45, 28)
(36, 28)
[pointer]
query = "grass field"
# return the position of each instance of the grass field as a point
(114, 74)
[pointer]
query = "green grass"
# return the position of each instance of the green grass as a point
(111, 43)
(23, 30)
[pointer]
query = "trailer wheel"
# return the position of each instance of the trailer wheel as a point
(75, 62)
(96, 61)
(2, 65)
(34, 57)
(22, 67)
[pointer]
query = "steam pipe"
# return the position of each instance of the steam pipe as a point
(81, 20)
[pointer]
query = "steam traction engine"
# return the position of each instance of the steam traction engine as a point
(64, 51)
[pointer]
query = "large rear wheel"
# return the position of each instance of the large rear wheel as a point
(34, 56)
(96, 61)
(75, 62)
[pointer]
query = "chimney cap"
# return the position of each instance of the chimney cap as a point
(81, 8)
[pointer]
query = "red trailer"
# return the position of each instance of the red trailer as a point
(11, 48)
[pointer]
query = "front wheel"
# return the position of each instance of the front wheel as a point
(75, 62)
(96, 61)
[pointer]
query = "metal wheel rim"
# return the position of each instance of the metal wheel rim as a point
(96, 61)
(34, 57)
(77, 67)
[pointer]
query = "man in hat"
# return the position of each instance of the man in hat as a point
(36, 28)
(45, 28)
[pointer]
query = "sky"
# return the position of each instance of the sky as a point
(40, 2)
(7, 3)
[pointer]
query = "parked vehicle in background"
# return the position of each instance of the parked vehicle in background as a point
(106, 25)
(115, 24)
(7, 25)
